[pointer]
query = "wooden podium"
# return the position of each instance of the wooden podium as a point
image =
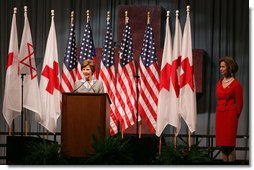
(83, 115)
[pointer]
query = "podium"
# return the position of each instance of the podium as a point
(83, 115)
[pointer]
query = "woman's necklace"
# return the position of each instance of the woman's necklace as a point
(227, 80)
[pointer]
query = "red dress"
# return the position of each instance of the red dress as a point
(229, 107)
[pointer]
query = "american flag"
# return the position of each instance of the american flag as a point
(87, 50)
(126, 85)
(69, 71)
(149, 80)
(107, 75)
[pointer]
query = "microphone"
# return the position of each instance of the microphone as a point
(23, 75)
(79, 87)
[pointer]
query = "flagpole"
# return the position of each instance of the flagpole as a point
(189, 142)
(175, 139)
(140, 130)
(122, 133)
(160, 145)
(9, 131)
(22, 107)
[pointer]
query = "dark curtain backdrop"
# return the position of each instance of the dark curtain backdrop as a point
(219, 27)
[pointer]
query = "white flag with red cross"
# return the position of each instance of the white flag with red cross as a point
(50, 82)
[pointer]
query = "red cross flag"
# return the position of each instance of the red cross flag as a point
(169, 85)
(27, 66)
(12, 92)
(50, 82)
(188, 106)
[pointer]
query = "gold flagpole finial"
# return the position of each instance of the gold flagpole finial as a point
(188, 8)
(126, 17)
(168, 13)
(177, 13)
(25, 9)
(52, 13)
(108, 15)
(72, 16)
(87, 16)
(148, 17)
(14, 10)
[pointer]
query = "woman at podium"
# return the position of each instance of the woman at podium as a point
(88, 83)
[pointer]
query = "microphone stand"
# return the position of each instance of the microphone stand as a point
(76, 90)
(22, 107)
(91, 87)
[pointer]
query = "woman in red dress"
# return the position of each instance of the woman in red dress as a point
(229, 107)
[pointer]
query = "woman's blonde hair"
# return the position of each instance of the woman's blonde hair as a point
(89, 63)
